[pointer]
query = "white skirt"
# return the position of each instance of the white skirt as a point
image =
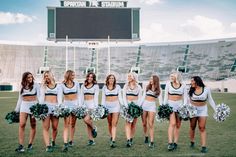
(70, 104)
(149, 106)
(89, 104)
(113, 107)
(51, 107)
(175, 104)
(25, 106)
(202, 111)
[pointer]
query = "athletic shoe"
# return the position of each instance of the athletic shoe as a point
(94, 132)
(204, 150)
(49, 149)
(192, 145)
(20, 149)
(30, 147)
(71, 144)
(53, 144)
(175, 145)
(128, 143)
(170, 147)
(131, 141)
(65, 147)
(151, 145)
(146, 139)
(91, 143)
(112, 144)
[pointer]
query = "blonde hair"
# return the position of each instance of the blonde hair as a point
(51, 77)
(177, 76)
(68, 76)
(134, 77)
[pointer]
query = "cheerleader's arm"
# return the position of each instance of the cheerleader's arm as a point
(59, 95)
(103, 95)
(120, 96)
(18, 104)
(78, 94)
(210, 100)
(166, 93)
(82, 96)
(124, 96)
(140, 96)
(96, 96)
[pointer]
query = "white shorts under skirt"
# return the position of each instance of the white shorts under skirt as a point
(149, 106)
(25, 106)
(89, 104)
(51, 107)
(70, 104)
(175, 104)
(113, 107)
(202, 111)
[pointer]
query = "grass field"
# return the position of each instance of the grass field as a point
(221, 137)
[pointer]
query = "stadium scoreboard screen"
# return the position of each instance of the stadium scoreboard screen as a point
(93, 23)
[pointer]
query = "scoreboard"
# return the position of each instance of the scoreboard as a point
(93, 23)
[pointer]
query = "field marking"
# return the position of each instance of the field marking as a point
(7, 97)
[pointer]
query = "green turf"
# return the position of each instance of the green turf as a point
(221, 139)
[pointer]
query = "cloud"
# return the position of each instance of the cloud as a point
(233, 25)
(150, 2)
(154, 33)
(14, 18)
(201, 26)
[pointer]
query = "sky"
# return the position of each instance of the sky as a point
(160, 20)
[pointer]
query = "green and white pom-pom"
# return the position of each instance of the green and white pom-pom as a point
(39, 111)
(98, 113)
(186, 112)
(134, 110)
(222, 112)
(79, 112)
(124, 114)
(13, 117)
(192, 111)
(159, 119)
(164, 111)
(61, 111)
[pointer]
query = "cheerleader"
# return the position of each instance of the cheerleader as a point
(174, 95)
(198, 95)
(71, 91)
(132, 92)
(111, 99)
(28, 96)
(152, 92)
(89, 99)
(51, 95)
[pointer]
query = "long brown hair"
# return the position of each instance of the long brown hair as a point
(68, 76)
(24, 82)
(156, 84)
(87, 76)
(107, 81)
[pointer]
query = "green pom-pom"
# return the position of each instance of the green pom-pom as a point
(164, 111)
(13, 117)
(39, 111)
(134, 110)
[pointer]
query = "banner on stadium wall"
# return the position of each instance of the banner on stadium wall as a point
(94, 3)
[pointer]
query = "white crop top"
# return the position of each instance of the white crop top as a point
(115, 92)
(94, 90)
(152, 94)
(27, 92)
(56, 91)
(132, 92)
(203, 97)
(171, 90)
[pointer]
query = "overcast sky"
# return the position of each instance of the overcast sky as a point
(160, 21)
